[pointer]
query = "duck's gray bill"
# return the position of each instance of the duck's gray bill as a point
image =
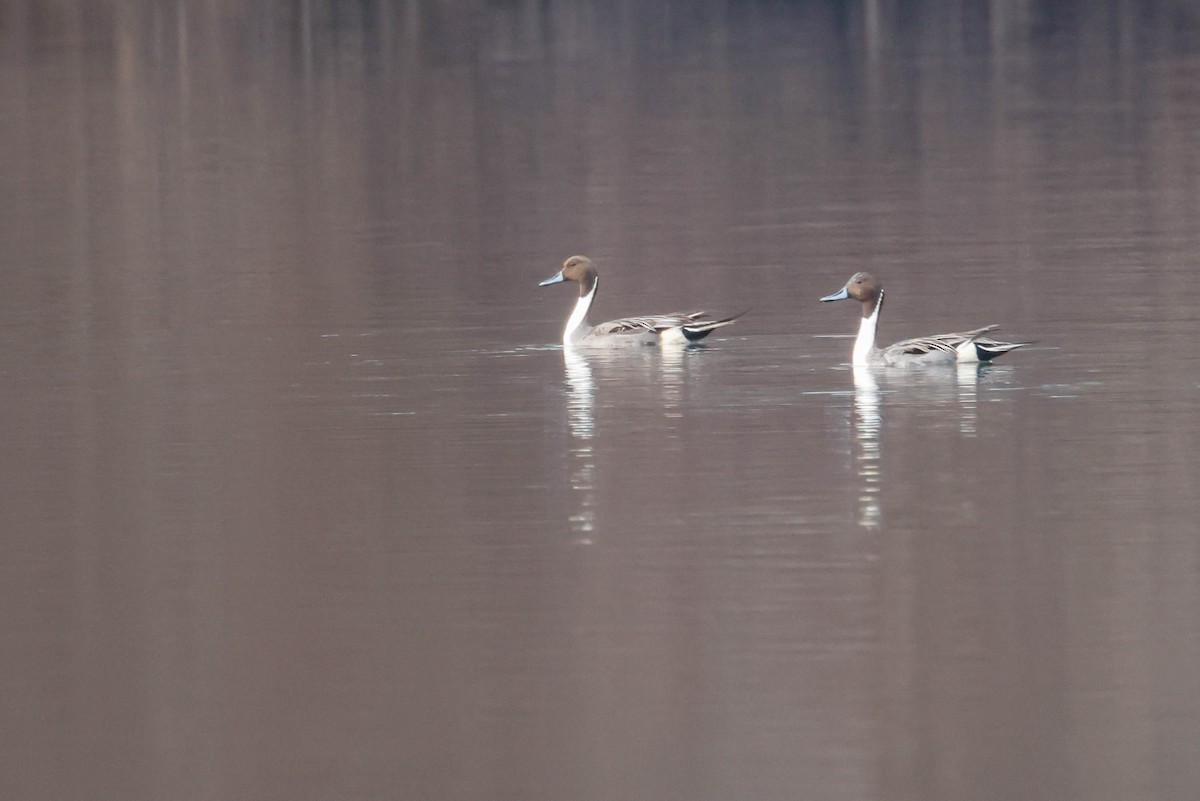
(553, 280)
(841, 294)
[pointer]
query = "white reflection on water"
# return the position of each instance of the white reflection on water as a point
(581, 419)
(867, 423)
(968, 398)
(927, 388)
(671, 378)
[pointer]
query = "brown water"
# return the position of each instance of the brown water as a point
(300, 498)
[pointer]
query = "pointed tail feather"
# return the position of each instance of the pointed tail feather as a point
(697, 331)
(989, 349)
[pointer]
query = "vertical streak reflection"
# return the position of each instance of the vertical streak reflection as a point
(867, 422)
(671, 379)
(581, 420)
(968, 398)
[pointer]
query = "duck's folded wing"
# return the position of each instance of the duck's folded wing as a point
(923, 346)
(986, 344)
(965, 336)
(654, 323)
(934, 348)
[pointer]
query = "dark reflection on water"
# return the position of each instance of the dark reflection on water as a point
(298, 498)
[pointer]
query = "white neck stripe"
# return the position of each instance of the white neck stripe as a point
(864, 343)
(579, 315)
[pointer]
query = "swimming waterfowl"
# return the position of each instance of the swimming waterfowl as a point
(965, 347)
(678, 327)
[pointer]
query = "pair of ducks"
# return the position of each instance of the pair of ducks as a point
(966, 347)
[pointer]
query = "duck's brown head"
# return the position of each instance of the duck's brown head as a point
(864, 288)
(576, 268)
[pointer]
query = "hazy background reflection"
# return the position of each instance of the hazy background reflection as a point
(299, 496)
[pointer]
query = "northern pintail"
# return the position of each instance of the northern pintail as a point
(968, 346)
(665, 328)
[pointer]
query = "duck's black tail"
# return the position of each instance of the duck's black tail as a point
(701, 328)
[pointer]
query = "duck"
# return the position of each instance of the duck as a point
(662, 329)
(963, 348)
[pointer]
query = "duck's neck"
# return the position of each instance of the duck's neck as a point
(577, 322)
(864, 344)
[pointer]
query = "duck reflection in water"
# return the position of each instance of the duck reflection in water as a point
(920, 390)
(968, 397)
(868, 465)
(581, 420)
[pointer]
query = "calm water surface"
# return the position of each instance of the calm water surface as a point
(300, 498)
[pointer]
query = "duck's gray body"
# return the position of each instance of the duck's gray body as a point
(655, 329)
(965, 347)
